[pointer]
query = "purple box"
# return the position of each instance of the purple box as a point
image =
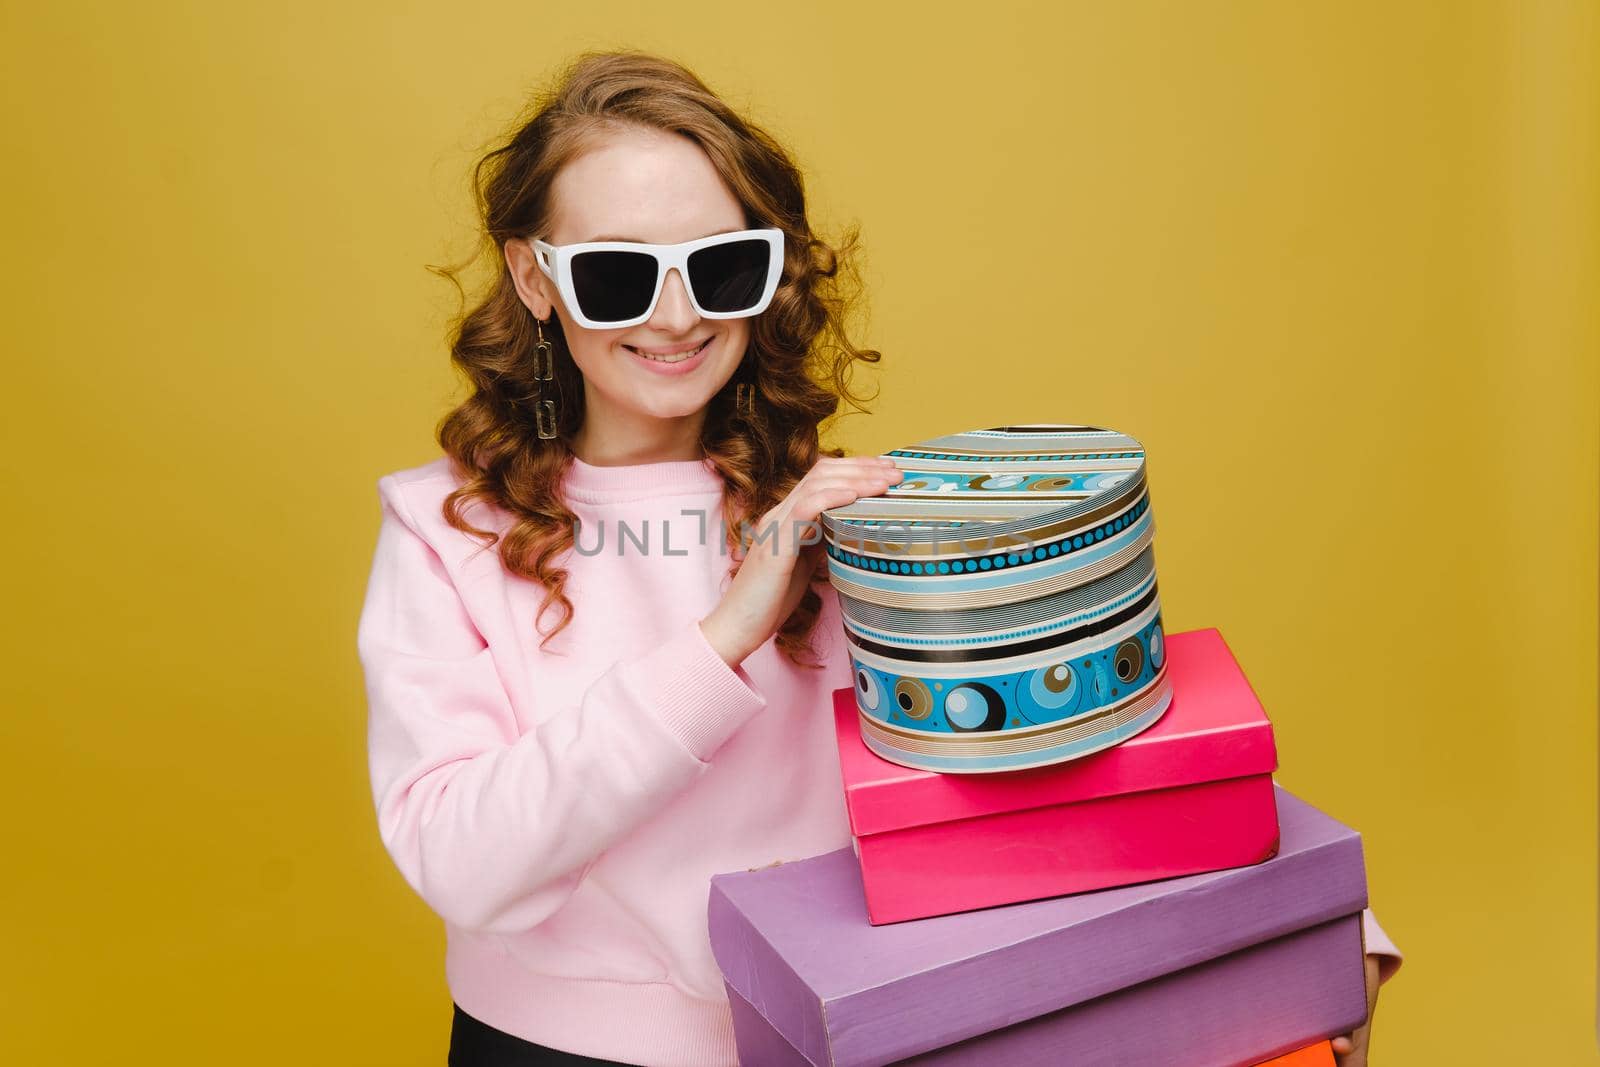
(1224, 968)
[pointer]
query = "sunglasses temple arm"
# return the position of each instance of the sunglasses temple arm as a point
(542, 258)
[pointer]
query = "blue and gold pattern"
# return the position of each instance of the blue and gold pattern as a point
(1000, 602)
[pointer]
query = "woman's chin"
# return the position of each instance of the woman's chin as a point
(669, 408)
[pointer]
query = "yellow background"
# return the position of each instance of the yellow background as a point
(1335, 264)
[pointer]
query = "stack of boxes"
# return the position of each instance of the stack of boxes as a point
(1067, 844)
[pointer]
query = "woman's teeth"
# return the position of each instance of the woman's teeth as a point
(677, 357)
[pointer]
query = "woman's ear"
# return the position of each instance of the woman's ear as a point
(533, 286)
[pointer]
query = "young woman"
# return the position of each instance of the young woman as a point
(640, 456)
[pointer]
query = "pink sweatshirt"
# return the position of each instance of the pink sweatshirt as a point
(563, 809)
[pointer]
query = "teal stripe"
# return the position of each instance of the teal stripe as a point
(943, 584)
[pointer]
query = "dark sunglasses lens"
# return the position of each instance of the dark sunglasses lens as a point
(612, 286)
(730, 277)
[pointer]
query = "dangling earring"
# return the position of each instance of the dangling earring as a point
(744, 396)
(544, 411)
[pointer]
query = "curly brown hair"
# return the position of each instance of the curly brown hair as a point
(799, 358)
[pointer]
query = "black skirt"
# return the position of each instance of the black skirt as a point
(474, 1043)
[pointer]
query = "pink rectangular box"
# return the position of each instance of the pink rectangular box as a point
(1191, 794)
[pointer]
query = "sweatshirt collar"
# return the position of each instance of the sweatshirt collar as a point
(633, 481)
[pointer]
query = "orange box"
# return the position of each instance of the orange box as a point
(1318, 1055)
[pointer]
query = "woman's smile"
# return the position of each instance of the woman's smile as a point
(673, 359)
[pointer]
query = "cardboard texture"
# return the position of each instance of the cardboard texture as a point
(1208, 968)
(1191, 794)
(1225, 1013)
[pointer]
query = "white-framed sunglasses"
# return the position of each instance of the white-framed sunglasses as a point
(610, 284)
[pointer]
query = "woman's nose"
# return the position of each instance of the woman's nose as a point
(674, 313)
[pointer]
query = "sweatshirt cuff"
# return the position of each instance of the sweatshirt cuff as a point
(696, 695)
(1378, 944)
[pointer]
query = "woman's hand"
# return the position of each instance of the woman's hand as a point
(1351, 1049)
(778, 567)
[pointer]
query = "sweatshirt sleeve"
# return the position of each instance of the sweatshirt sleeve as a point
(493, 828)
(1378, 944)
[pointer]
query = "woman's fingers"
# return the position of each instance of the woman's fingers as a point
(805, 503)
(833, 482)
(850, 469)
(785, 531)
(824, 462)
(811, 501)
(784, 552)
(794, 522)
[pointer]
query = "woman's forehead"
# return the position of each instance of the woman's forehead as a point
(641, 185)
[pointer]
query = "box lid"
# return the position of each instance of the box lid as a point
(1215, 728)
(1002, 484)
(795, 941)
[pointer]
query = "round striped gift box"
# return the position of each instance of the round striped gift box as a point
(1000, 601)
